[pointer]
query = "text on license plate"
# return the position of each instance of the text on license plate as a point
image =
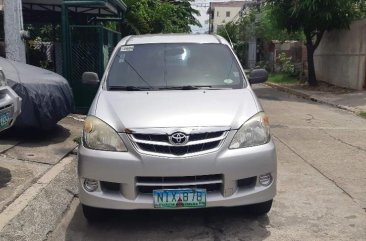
(179, 198)
(4, 119)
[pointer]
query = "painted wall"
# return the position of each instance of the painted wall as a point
(221, 19)
(340, 58)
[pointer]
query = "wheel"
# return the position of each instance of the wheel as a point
(259, 209)
(93, 214)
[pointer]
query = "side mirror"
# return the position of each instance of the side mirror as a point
(90, 78)
(258, 76)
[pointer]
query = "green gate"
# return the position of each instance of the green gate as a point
(90, 50)
(87, 44)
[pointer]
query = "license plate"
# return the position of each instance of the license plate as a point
(4, 120)
(179, 198)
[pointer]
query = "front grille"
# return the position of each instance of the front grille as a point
(160, 143)
(165, 138)
(178, 150)
(212, 183)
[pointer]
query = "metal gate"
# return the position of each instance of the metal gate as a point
(90, 49)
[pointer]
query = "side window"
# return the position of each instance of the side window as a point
(228, 14)
(218, 14)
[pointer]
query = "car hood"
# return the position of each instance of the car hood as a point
(175, 108)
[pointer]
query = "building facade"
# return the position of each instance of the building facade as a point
(221, 13)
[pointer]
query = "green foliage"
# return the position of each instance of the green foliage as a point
(77, 140)
(362, 114)
(45, 32)
(159, 16)
(257, 23)
(282, 78)
(264, 65)
(231, 32)
(286, 65)
(314, 17)
(36, 56)
(267, 28)
(111, 25)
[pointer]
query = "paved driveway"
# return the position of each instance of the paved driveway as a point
(321, 187)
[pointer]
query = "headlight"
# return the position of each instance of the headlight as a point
(3, 81)
(254, 132)
(98, 135)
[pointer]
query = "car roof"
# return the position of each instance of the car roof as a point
(173, 38)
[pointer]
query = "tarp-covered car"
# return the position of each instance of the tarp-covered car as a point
(10, 104)
(46, 96)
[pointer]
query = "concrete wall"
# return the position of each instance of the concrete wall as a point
(340, 58)
(222, 19)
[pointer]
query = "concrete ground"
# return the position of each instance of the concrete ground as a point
(321, 189)
(29, 162)
(354, 101)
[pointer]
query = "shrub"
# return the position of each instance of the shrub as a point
(286, 65)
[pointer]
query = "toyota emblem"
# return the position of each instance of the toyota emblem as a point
(178, 138)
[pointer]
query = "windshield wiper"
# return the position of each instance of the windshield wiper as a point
(140, 76)
(129, 88)
(186, 87)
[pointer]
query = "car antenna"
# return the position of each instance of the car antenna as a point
(231, 43)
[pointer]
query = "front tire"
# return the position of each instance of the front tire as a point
(93, 214)
(259, 209)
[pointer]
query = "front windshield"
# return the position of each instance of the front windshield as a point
(159, 66)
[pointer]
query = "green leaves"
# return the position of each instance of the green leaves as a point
(314, 17)
(160, 16)
(258, 23)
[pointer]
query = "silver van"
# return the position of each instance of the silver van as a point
(10, 104)
(174, 125)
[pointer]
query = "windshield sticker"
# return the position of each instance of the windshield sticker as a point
(228, 81)
(236, 74)
(127, 48)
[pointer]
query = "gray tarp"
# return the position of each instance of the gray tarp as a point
(46, 96)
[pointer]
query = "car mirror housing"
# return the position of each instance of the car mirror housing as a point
(3, 81)
(90, 78)
(257, 76)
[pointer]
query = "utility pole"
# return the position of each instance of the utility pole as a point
(13, 28)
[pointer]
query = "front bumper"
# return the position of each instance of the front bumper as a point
(123, 170)
(10, 103)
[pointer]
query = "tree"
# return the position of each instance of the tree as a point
(256, 23)
(159, 16)
(266, 28)
(314, 17)
(231, 32)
